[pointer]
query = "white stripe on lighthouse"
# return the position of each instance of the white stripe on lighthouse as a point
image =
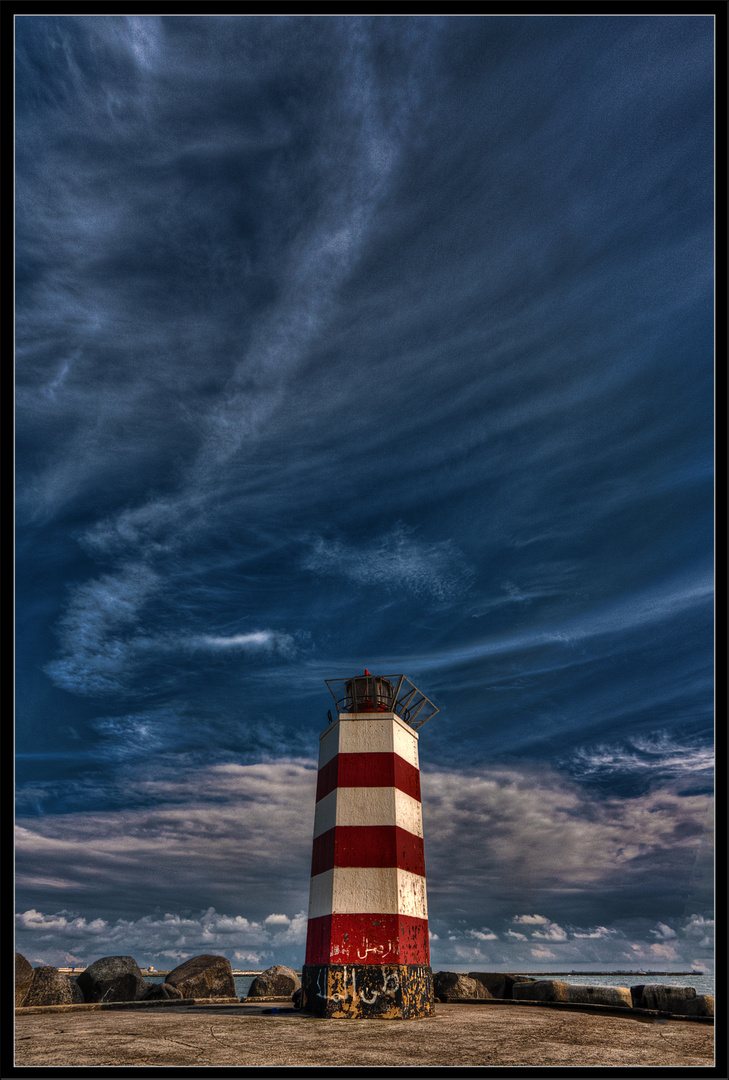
(355, 890)
(368, 806)
(369, 736)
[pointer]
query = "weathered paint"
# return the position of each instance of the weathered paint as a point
(368, 733)
(382, 992)
(368, 905)
(368, 845)
(367, 939)
(368, 770)
(368, 806)
(346, 890)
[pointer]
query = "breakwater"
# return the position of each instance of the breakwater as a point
(120, 979)
(702, 984)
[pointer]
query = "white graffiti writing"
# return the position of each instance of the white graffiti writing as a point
(377, 949)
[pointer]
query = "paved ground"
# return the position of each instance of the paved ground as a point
(470, 1035)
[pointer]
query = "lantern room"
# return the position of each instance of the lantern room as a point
(367, 694)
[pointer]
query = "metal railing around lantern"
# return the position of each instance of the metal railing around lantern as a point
(376, 693)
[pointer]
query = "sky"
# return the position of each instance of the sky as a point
(349, 342)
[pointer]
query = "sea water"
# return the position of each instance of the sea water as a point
(703, 984)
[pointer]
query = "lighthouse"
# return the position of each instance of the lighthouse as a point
(367, 949)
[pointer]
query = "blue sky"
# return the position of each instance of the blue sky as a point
(365, 342)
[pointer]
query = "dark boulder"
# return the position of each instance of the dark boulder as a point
(499, 983)
(77, 997)
(541, 990)
(113, 978)
(49, 987)
(275, 982)
(23, 979)
(454, 986)
(204, 977)
(600, 995)
(663, 996)
(701, 1005)
(162, 992)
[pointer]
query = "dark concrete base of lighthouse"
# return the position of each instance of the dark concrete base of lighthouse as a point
(367, 991)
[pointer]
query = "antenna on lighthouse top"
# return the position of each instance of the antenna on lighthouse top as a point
(377, 694)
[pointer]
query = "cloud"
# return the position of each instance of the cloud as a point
(159, 939)
(230, 822)
(521, 832)
(255, 641)
(659, 603)
(103, 641)
(660, 754)
(222, 828)
(664, 932)
(231, 836)
(552, 933)
(135, 735)
(542, 954)
(95, 630)
(701, 930)
(579, 948)
(397, 559)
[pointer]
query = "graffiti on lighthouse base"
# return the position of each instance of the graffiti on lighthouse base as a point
(362, 990)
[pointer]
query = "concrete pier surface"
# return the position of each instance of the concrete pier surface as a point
(457, 1035)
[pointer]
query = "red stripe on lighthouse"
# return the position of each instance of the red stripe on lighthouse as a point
(368, 845)
(367, 939)
(368, 770)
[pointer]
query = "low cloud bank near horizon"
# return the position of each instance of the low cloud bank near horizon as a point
(604, 875)
(166, 939)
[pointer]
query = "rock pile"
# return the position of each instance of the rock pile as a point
(682, 1000)
(540, 990)
(113, 978)
(452, 986)
(276, 982)
(23, 979)
(499, 984)
(118, 978)
(600, 995)
(204, 976)
(49, 987)
(678, 1000)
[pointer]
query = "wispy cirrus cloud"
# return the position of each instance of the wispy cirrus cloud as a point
(96, 631)
(256, 640)
(105, 639)
(398, 559)
(660, 755)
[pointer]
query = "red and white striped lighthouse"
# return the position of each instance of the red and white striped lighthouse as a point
(367, 950)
